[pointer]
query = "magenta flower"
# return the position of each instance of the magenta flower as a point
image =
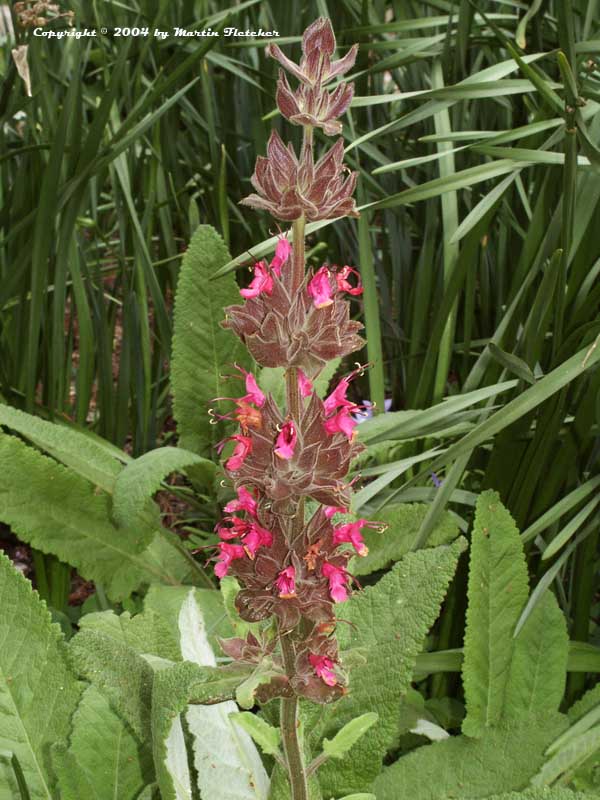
(320, 288)
(262, 282)
(344, 284)
(228, 553)
(232, 528)
(253, 392)
(350, 532)
(342, 422)
(257, 537)
(286, 583)
(282, 253)
(242, 449)
(337, 398)
(304, 384)
(331, 511)
(286, 441)
(245, 502)
(324, 668)
(338, 581)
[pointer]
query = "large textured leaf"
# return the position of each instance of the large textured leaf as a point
(173, 689)
(104, 755)
(38, 692)
(387, 625)
(497, 593)
(504, 759)
(140, 479)
(538, 670)
(145, 633)
(404, 520)
(225, 757)
(58, 512)
(118, 672)
(203, 352)
(97, 461)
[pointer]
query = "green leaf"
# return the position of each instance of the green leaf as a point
(92, 459)
(498, 587)
(504, 759)
(349, 735)
(538, 670)
(119, 672)
(167, 602)
(202, 350)
(104, 755)
(404, 521)
(145, 633)
(174, 688)
(38, 692)
(59, 512)
(572, 754)
(140, 479)
(386, 626)
(512, 363)
(266, 736)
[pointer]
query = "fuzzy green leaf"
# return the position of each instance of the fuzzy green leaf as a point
(104, 755)
(387, 625)
(498, 589)
(503, 760)
(202, 350)
(538, 670)
(266, 736)
(140, 479)
(97, 461)
(349, 735)
(58, 512)
(38, 692)
(174, 688)
(119, 672)
(145, 633)
(404, 521)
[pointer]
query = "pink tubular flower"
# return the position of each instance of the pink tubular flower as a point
(338, 581)
(245, 502)
(232, 527)
(351, 532)
(226, 556)
(286, 441)
(282, 253)
(324, 668)
(305, 386)
(337, 398)
(286, 583)
(257, 537)
(241, 450)
(261, 282)
(344, 284)
(342, 422)
(253, 392)
(319, 288)
(331, 511)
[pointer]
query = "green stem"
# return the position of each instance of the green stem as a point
(289, 727)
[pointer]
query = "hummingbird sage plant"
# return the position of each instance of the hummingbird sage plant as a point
(292, 565)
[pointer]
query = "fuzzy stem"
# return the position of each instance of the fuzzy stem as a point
(289, 727)
(289, 705)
